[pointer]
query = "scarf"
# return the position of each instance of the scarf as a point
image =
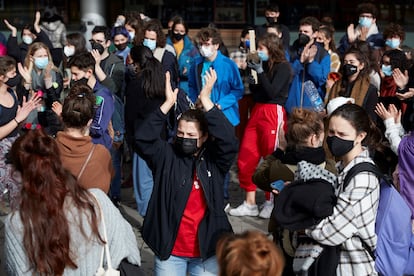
(358, 92)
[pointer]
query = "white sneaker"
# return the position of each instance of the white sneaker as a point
(266, 209)
(245, 210)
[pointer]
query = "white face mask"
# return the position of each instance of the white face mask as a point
(131, 35)
(69, 51)
(206, 51)
(27, 39)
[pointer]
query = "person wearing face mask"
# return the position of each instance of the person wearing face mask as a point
(394, 36)
(246, 103)
(12, 117)
(229, 87)
(355, 82)
(392, 60)
(351, 136)
(120, 38)
(40, 75)
(52, 24)
(366, 30)
(154, 38)
(310, 63)
(185, 216)
(184, 48)
(303, 142)
(109, 68)
(267, 118)
(29, 35)
(82, 68)
(272, 14)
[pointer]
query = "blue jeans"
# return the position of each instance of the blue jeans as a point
(179, 266)
(115, 189)
(143, 183)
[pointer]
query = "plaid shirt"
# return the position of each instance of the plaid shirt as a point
(353, 219)
(240, 57)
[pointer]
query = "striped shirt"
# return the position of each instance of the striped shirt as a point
(353, 219)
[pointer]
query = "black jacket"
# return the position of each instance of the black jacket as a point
(173, 180)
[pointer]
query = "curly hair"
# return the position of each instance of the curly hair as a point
(393, 30)
(248, 254)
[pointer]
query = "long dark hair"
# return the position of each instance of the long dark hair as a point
(46, 186)
(150, 71)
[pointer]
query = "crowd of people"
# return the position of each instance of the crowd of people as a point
(189, 114)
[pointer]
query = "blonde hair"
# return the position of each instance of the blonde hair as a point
(33, 48)
(249, 254)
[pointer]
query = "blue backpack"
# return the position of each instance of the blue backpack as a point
(394, 253)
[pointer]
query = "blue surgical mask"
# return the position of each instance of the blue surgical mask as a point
(263, 56)
(365, 22)
(151, 44)
(247, 43)
(41, 62)
(387, 70)
(393, 43)
(131, 35)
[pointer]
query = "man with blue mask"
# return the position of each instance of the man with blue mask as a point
(366, 30)
(155, 40)
(394, 36)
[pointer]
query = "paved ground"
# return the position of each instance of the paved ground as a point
(128, 209)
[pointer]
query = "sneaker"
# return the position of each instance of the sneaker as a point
(245, 210)
(267, 208)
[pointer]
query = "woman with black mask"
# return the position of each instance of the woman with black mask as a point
(185, 49)
(355, 82)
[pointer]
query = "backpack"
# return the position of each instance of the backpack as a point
(394, 253)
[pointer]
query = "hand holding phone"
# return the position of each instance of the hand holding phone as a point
(278, 185)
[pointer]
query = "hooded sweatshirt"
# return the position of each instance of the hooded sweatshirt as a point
(75, 150)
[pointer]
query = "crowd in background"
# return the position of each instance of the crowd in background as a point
(88, 107)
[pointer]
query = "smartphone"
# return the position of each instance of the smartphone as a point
(278, 185)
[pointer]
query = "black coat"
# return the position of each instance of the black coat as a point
(173, 181)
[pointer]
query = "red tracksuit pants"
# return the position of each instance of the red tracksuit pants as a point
(259, 140)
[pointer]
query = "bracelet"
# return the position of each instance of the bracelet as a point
(17, 122)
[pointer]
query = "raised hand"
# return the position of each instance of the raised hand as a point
(401, 80)
(57, 108)
(36, 22)
(27, 107)
(12, 28)
(170, 95)
(25, 72)
(210, 78)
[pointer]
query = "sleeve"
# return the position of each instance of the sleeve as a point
(42, 37)
(13, 48)
(224, 138)
(103, 115)
(348, 212)
(193, 90)
(318, 73)
(115, 78)
(273, 88)
(236, 87)
(169, 64)
(148, 141)
(370, 101)
(53, 93)
(261, 175)
(393, 134)
(121, 237)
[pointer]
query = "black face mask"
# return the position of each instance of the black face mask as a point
(98, 47)
(121, 46)
(349, 70)
(270, 19)
(339, 147)
(178, 37)
(12, 82)
(303, 40)
(187, 146)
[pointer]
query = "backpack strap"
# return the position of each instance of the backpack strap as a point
(361, 167)
(358, 168)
